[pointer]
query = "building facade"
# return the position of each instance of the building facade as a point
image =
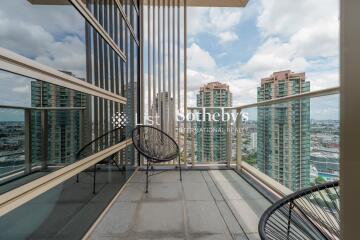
(164, 112)
(64, 131)
(283, 130)
(211, 137)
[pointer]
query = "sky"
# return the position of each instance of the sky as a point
(237, 46)
(241, 46)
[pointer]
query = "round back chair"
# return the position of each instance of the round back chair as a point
(156, 146)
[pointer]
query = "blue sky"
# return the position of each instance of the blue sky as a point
(240, 46)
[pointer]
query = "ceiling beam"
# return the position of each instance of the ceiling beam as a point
(190, 3)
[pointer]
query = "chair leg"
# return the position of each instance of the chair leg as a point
(94, 182)
(77, 178)
(180, 170)
(147, 176)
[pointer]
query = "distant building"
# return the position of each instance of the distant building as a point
(283, 130)
(211, 141)
(63, 126)
(327, 163)
(165, 109)
(253, 139)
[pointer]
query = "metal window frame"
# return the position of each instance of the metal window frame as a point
(17, 64)
(125, 17)
(81, 7)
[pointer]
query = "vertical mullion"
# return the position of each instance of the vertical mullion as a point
(173, 78)
(164, 69)
(101, 53)
(159, 110)
(154, 57)
(140, 75)
(96, 72)
(169, 70)
(149, 62)
(112, 55)
(178, 63)
(116, 36)
(116, 65)
(106, 67)
(89, 78)
(185, 77)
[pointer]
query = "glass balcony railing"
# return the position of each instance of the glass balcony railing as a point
(41, 132)
(294, 140)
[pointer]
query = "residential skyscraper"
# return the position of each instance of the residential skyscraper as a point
(283, 130)
(212, 137)
(63, 127)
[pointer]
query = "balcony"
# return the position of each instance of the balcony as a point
(131, 62)
(208, 204)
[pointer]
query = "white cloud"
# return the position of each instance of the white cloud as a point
(300, 36)
(274, 55)
(220, 22)
(323, 79)
(226, 37)
(199, 59)
(49, 34)
(21, 89)
(285, 18)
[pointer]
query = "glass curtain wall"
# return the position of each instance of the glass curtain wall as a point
(44, 126)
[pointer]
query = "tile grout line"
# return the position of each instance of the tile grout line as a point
(183, 201)
(227, 204)
(106, 210)
(222, 216)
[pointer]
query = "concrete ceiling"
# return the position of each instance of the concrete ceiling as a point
(190, 3)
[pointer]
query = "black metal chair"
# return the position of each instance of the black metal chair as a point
(156, 146)
(100, 143)
(312, 213)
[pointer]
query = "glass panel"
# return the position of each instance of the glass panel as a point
(295, 142)
(12, 139)
(68, 210)
(50, 34)
(61, 123)
(109, 16)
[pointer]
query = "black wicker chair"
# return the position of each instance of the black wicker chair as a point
(156, 146)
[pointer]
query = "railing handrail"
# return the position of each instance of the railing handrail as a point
(42, 108)
(96, 139)
(311, 94)
(288, 199)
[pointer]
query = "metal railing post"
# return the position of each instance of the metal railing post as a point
(238, 139)
(27, 128)
(228, 140)
(44, 139)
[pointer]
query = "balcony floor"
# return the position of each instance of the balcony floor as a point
(212, 204)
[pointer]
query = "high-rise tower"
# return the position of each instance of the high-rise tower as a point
(211, 140)
(283, 130)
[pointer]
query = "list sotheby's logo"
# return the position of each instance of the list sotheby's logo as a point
(119, 120)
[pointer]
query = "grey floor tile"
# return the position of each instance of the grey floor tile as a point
(119, 220)
(204, 218)
(133, 192)
(197, 191)
(170, 191)
(160, 217)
